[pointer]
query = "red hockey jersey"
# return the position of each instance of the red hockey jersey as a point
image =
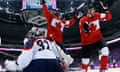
(56, 26)
(94, 34)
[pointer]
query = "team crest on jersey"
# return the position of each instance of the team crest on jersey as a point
(94, 25)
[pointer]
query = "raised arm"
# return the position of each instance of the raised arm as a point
(107, 15)
(69, 23)
(46, 11)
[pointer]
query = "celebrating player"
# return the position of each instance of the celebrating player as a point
(56, 24)
(91, 36)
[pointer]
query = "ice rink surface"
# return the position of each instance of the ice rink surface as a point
(97, 70)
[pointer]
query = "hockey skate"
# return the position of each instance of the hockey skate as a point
(102, 70)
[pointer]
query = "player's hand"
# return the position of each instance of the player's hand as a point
(11, 65)
(42, 2)
(105, 7)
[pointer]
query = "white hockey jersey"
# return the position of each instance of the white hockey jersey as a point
(41, 48)
(38, 49)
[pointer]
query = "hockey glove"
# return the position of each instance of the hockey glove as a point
(42, 1)
(86, 28)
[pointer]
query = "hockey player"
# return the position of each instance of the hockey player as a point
(46, 51)
(56, 24)
(39, 56)
(92, 38)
